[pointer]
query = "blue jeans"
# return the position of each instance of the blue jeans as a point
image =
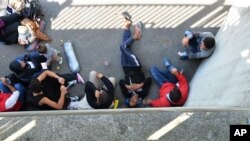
(128, 59)
(17, 86)
(162, 76)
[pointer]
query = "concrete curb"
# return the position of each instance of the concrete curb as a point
(119, 111)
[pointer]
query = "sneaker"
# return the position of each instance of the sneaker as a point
(79, 78)
(126, 15)
(74, 98)
(139, 26)
(166, 62)
(183, 55)
(71, 83)
(60, 61)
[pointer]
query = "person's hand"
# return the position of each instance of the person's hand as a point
(23, 42)
(97, 94)
(146, 101)
(3, 81)
(63, 90)
(99, 75)
(138, 86)
(130, 87)
(61, 80)
(185, 41)
(174, 71)
(134, 86)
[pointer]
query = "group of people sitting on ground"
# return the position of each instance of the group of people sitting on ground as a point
(23, 24)
(48, 90)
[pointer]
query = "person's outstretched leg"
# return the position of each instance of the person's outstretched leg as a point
(128, 59)
(10, 18)
(162, 76)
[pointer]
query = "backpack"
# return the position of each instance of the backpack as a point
(32, 10)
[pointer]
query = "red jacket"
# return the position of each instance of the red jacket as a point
(162, 101)
(3, 99)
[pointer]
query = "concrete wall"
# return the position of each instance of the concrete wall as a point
(223, 79)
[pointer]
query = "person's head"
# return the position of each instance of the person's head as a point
(41, 48)
(208, 43)
(35, 85)
(17, 66)
(102, 98)
(175, 94)
(133, 101)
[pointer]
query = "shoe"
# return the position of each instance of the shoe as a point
(74, 98)
(79, 78)
(183, 55)
(71, 83)
(60, 60)
(139, 26)
(126, 15)
(166, 62)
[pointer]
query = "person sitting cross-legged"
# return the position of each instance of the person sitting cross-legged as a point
(173, 87)
(202, 45)
(100, 90)
(48, 91)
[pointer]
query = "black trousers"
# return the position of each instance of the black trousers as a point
(9, 33)
(68, 77)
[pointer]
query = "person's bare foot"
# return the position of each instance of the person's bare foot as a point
(137, 32)
(126, 23)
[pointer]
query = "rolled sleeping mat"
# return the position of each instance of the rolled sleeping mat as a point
(71, 57)
(33, 45)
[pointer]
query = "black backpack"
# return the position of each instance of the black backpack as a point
(32, 10)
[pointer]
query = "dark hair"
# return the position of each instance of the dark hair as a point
(138, 104)
(42, 48)
(209, 42)
(175, 94)
(103, 99)
(15, 66)
(35, 85)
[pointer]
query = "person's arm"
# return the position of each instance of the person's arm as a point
(37, 59)
(90, 93)
(146, 87)
(183, 86)
(49, 73)
(201, 54)
(11, 101)
(160, 102)
(124, 89)
(56, 105)
(107, 83)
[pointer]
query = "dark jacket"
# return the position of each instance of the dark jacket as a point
(90, 93)
(26, 74)
(135, 75)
